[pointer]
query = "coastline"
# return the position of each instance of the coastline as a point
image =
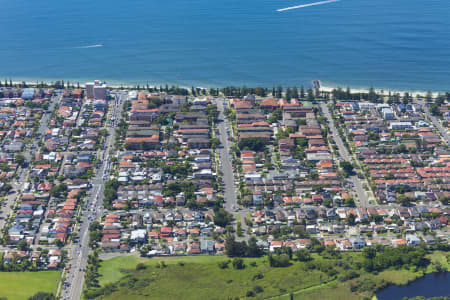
(381, 91)
(328, 87)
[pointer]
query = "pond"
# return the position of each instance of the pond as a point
(431, 285)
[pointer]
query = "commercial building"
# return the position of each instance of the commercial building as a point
(95, 90)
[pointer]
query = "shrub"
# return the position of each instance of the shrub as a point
(258, 289)
(238, 263)
(303, 255)
(42, 296)
(348, 275)
(223, 264)
(278, 261)
(140, 266)
(250, 294)
(259, 275)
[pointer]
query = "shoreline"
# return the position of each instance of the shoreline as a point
(380, 91)
(328, 87)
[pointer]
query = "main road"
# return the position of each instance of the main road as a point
(93, 209)
(363, 199)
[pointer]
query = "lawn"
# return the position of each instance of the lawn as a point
(110, 269)
(21, 285)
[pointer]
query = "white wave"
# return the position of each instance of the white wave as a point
(90, 46)
(306, 5)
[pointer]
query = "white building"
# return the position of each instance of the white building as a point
(132, 95)
(401, 125)
(388, 114)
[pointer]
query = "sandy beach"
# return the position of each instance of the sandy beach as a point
(326, 88)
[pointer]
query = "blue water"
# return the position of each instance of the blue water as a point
(398, 44)
(431, 285)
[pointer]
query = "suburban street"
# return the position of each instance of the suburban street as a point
(363, 199)
(92, 210)
(226, 159)
(230, 188)
(436, 123)
(17, 185)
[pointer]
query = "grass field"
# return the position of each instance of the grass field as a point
(21, 285)
(201, 278)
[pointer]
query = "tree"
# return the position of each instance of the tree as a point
(255, 144)
(253, 250)
(440, 99)
(59, 243)
(348, 93)
(110, 192)
(238, 263)
(310, 93)
(279, 261)
(295, 92)
(351, 220)
(279, 92)
(404, 200)
(288, 94)
(303, 255)
(20, 159)
(222, 217)
(369, 252)
(214, 142)
(405, 99)
(302, 92)
(22, 245)
(235, 249)
(347, 167)
(429, 97)
(434, 109)
(372, 96)
(350, 202)
(275, 116)
(42, 296)
(59, 190)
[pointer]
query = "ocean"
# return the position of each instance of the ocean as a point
(390, 44)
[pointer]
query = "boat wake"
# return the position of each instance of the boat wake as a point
(306, 5)
(90, 46)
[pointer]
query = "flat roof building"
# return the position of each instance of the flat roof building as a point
(28, 94)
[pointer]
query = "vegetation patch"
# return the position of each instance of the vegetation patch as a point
(282, 275)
